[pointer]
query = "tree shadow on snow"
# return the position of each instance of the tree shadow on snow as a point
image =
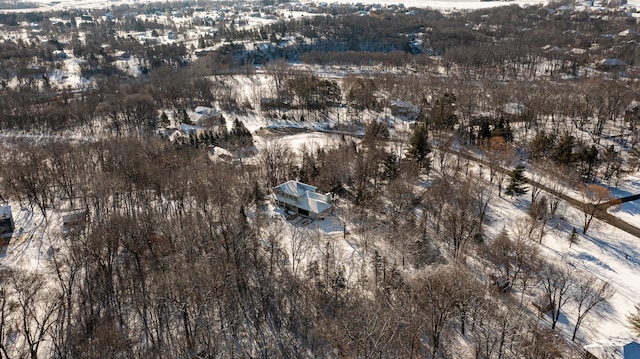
(622, 251)
(586, 257)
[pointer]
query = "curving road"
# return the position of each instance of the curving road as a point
(599, 210)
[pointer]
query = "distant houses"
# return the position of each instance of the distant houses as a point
(302, 199)
(206, 117)
(196, 122)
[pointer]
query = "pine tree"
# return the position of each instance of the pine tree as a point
(516, 182)
(184, 116)
(541, 145)
(563, 152)
(419, 147)
(589, 161)
(164, 119)
(375, 131)
(503, 129)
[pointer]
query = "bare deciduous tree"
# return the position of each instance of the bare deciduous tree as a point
(557, 283)
(593, 196)
(588, 293)
(36, 306)
(277, 162)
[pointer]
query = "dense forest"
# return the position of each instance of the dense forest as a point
(437, 115)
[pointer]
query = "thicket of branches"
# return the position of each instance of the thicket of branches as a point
(178, 257)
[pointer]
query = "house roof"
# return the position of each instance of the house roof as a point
(307, 198)
(201, 114)
(188, 129)
(615, 348)
(317, 202)
(202, 110)
(177, 134)
(221, 154)
(296, 188)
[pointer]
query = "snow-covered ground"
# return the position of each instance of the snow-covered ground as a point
(605, 252)
(629, 211)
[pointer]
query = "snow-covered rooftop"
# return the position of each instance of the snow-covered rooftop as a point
(614, 348)
(302, 196)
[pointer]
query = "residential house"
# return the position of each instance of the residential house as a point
(404, 109)
(303, 199)
(206, 117)
(613, 348)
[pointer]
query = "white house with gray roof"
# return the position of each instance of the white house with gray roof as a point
(302, 198)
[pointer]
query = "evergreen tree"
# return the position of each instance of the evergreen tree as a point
(589, 161)
(485, 131)
(541, 144)
(419, 146)
(164, 119)
(563, 152)
(443, 114)
(612, 162)
(239, 129)
(390, 167)
(184, 116)
(375, 131)
(503, 129)
(573, 238)
(516, 182)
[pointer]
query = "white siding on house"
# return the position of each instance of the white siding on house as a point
(303, 198)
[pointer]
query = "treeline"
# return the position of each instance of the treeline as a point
(365, 58)
(517, 40)
(114, 103)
